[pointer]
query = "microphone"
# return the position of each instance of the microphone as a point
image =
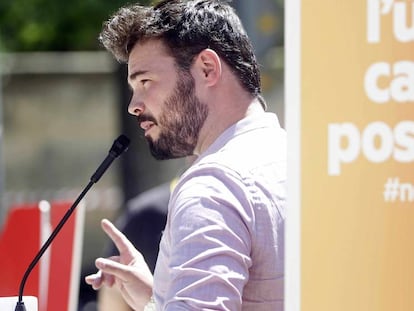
(119, 146)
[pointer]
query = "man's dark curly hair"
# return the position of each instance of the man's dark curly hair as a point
(186, 28)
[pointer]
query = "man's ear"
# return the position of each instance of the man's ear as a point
(208, 66)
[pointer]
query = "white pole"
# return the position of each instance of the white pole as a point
(292, 117)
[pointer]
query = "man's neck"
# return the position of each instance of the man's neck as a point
(221, 119)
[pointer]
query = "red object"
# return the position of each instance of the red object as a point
(20, 241)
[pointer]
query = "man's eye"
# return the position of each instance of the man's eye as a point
(144, 81)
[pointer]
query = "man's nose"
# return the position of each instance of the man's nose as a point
(136, 106)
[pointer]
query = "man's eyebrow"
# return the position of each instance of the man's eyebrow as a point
(135, 74)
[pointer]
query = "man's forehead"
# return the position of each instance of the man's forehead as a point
(147, 52)
(147, 48)
(151, 58)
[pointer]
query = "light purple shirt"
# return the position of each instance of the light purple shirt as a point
(223, 244)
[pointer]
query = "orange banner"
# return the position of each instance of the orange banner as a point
(356, 143)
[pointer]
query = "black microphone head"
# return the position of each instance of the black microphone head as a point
(119, 146)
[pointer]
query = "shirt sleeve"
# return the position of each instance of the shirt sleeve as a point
(211, 242)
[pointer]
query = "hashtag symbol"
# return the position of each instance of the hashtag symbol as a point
(391, 189)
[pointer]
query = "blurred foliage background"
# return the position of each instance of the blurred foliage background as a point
(57, 25)
(53, 25)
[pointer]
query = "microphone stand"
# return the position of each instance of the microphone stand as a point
(20, 304)
(119, 146)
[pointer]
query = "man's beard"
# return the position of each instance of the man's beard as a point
(182, 117)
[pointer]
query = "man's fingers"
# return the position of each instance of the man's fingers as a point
(120, 240)
(95, 280)
(99, 279)
(114, 269)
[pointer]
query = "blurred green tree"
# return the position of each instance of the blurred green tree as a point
(54, 25)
